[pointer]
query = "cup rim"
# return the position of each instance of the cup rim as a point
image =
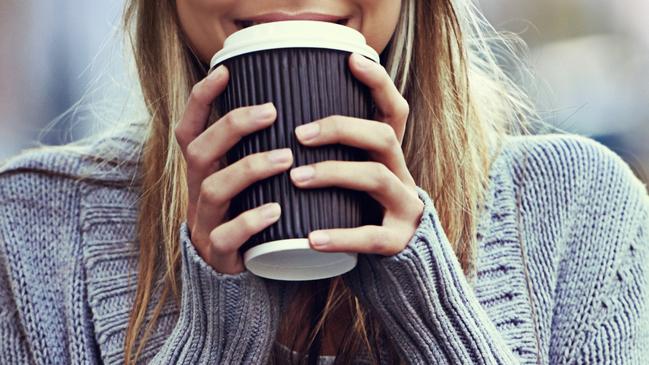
(262, 260)
(294, 34)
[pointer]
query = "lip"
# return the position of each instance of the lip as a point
(279, 16)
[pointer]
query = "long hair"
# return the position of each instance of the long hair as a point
(462, 103)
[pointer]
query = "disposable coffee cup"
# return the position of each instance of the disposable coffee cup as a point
(302, 68)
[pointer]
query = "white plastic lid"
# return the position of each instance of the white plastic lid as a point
(294, 260)
(294, 34)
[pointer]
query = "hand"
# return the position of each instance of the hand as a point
(211, 187)
(386, 178)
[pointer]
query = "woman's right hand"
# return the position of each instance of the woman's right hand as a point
(212, 186)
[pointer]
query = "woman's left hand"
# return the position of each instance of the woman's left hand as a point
(386, 177)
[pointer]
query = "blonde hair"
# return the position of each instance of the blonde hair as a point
(443, 61)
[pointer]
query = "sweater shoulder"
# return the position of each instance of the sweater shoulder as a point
(582, 206)
(584, 224)
(574, 166)
(578, 199)
(37, 177)
(54, 160)
(43, 189)
(109, 157)
(38, 194)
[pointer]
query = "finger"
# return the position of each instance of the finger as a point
(392, 106)
(377, 138)
(369, 239)
(227, 238)
(218, 189)
(369, 176)
(204, 151)
(199, 106)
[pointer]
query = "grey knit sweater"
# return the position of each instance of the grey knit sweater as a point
(562, 269)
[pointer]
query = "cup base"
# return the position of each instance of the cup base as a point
(294, 260)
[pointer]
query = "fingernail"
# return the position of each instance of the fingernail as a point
(263, 112)
(277, 156)
(307, 131)
(361, 61)
(216, 73)
(302, 173)
(271, 211)
(319, 238)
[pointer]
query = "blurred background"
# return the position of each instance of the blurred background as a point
(591, 63)
(590, 59)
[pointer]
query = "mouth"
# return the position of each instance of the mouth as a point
(275, 17)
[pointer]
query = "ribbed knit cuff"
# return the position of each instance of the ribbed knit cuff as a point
(223, 319)
(424, 301)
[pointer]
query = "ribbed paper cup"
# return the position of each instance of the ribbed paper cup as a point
(300, 66)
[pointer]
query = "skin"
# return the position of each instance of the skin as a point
(208, 22)
(211, 186)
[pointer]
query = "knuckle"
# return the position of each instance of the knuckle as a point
(197, 91)
(377, 244)
(248, 222)
(194, 156)
(385, 76)
(332, 125)
(209, 193)
(403, 108)
(218, 245)
(249, 165)
(388, 137)
(232, 122)
(385, 81)
(229, 120)
(382, 176)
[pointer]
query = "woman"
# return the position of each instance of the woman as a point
(494, 248)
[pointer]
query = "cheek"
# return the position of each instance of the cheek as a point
(200, 21)
(380, 18)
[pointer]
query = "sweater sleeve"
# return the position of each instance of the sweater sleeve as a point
(431, 315)
(224, 319)
(617, 331)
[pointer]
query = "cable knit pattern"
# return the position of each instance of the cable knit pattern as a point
(561, 274)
